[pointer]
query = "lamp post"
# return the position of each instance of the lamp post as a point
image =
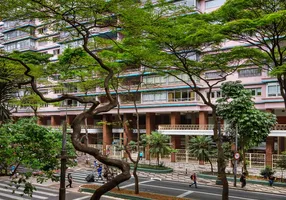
(218, 180)
(235, 161)
(63, 163)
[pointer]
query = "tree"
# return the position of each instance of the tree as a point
(178, 44)
(237, 108)
(159, 145)
(202, 148)
(262, 25)
(78, 20)
(24, 143)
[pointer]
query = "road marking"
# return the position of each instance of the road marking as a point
(185, 194)
(35, 191)
(12, 196)
(242, 198)
(125, 186)
(17, 192)
(81, 198)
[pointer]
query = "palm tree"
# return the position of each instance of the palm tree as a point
(202, 148)
(159, 145)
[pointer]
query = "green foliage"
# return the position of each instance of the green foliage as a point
(281, 163)
(261, 24)
(202, 147)
(267, 172)
(159, 144)
(33, 146)
(237, 108)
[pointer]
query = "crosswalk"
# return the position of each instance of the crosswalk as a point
(8, 191)
(79, 177)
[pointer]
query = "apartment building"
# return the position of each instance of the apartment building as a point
(166, 105)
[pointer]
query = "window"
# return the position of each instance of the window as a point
(214, 3)
(56, 52)
(273, 90)
(43, 43)
(215, 94)
(255, 91)
(249, 72)
(154, 96)
(214, 75)
(42, 30)
(181, 95)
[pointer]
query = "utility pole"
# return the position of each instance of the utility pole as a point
(63, 163)
(235, 161)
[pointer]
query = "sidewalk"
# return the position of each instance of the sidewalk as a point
(183, 171)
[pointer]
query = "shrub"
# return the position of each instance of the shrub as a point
(266, 172)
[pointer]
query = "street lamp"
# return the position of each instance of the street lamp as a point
(63, 161)
(236, 156)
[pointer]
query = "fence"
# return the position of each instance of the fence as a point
(254, 160)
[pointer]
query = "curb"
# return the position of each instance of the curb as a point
(112, 194)
(277, 184)
(158, 171)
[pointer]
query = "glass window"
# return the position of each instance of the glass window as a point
(249, 72)
(273, 90)
(214, 3)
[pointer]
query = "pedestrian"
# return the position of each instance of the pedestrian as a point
(95, 164)
(99, 172)
(69, 180)
(12, 170)
(141, 155)
(271, 180)
(243, 180)
(194, 179)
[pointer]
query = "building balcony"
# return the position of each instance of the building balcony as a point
(18, 24)
(207, 129)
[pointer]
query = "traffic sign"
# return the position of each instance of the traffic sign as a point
(236, 156)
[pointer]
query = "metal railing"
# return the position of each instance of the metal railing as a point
(204, 127)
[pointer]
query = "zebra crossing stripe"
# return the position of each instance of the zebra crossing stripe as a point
(37, 186)
(35, 191)
(12, 197)
(17, 192)
(81, 198)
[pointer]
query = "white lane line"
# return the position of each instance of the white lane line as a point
(81, 198)
(12, 196)
(168, 188)
(125, 186)
(35, 191)
(185, 194)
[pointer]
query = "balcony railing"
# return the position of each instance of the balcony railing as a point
(205, 127)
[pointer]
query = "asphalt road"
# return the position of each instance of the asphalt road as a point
(203, 192)
(177, 189)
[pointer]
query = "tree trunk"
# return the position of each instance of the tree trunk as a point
(136, 179)
(244, 160)
(212, 169)
(221, 164)
(158, 159)
(123, 166)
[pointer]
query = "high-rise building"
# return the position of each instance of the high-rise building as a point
(167, 101)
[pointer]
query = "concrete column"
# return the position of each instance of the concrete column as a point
(128, 128)
(269, 151)
(39, 121)
(53, 120)
(203, 119)
(187, 139)
(107, 133)
(175, 139)
(150, 126)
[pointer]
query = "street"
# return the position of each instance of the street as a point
(146, 185)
